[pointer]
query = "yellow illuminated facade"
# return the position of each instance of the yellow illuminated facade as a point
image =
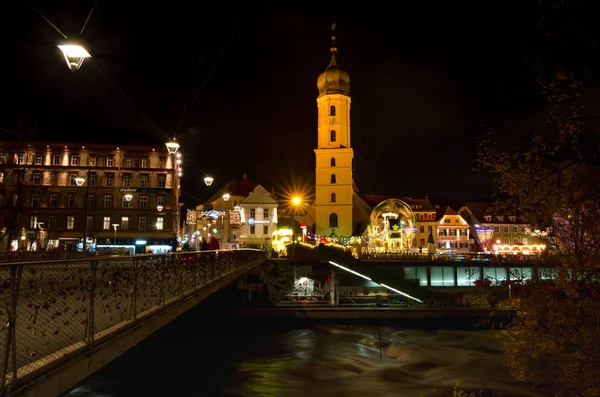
(334, 192)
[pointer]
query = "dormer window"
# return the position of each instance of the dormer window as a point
(332, 136)
(488, 218)
(332, 110)
(500, 219)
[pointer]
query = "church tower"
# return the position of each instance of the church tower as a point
(334, 184)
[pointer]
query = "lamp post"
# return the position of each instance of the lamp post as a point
(296, 201)
(79, 181)
(115, 226)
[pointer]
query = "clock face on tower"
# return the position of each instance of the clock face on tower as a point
(333, 121)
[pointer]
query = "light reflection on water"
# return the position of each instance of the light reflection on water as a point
(320, 361)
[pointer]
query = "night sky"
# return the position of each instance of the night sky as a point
(427, 80)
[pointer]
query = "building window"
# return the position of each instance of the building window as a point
(126, 180)
(35, 200)
(107, 201)
(74, 160)
(2, 158)
(54, 200)
(159, 223)
(421, 242)
(71, 201)
(333, 220)
(332, 110)
(20, 158)
(144, 163)
(515, 229)
(72, 179)
(332, 162)
(33, 223)
(266, 213)
(253, 213)
(235, 203)
(92, 179)
(126, 204)
(252, 229)
(51, 221)
(160, 200)
(144, 180)
(143, 201)
(332, 136)
(142, 222)
(333, 197)
(70, 222)
(333, 178)
(421, 229)
(265, 229)
(37, 178)
(91, 200)
(125, 223)
(90, 222)
(505, 229)
(39, 160)
(92, 161)
(109, 179)
(109, 161)
(106, 223)
(128, 162)
(162, 180)
(56, 159)
(496, 229)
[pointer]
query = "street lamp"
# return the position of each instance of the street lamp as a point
(208, 180)
(159, 208)
(115, 226)
(79, 181)
(296, 201)
(128, 197)
(172, 146)
(226, 197)
(74, 54)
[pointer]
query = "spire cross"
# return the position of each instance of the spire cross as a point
(333, 48)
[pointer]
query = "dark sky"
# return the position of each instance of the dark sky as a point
(425, 78)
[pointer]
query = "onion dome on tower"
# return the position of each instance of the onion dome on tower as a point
(333, 80)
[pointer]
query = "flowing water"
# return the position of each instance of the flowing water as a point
(199, 355)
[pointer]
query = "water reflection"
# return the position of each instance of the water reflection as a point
(322, 361)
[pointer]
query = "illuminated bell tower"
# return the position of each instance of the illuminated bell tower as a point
(334, 183)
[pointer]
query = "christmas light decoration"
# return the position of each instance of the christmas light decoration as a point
(191, 217)
(485, 235)
(235, 218)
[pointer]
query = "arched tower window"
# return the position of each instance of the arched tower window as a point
(332, 136)
(333, 198)
(333, 178)
(333, 162)
(333, 220)
(332, 110)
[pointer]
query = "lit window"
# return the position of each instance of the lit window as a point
(159, 223)
(70, 222)
(109, 161)
(332, 136)
(106, 223)
(332, 163)
(20, 158)
(144, 163)
(333, 220)
(333, 197)
(125, 223)
(333, 178)
(39, 159)
(332, 110)
(74, 160)
(142, 222)
(126, 204)
(2, 158)
(56, 159)
(33, 222)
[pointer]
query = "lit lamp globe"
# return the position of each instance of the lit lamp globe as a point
(79, 181)
(159, 208)
(296, 200)
(74, 55)
(208, 180)
(128, 197)
(226, 197)
(172, 146)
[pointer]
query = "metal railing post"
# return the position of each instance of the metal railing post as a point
(135, 290)
(10, 346)
(92, 314)
(161, 282)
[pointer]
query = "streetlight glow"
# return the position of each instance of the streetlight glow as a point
(296, 200)
(79, 181)
(74, 55)
(226, 196)
(208, 180)
(172, 146)
(128, 197)
(159, 208)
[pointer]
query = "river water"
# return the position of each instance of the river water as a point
(204, 355)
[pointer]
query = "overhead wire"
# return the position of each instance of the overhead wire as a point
(46, 19)
(88, 17)
(185, 104)
(211, 70)
(11, 132)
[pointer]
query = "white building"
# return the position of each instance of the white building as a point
(258, 218)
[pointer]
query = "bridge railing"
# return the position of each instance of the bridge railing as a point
(56, 309)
